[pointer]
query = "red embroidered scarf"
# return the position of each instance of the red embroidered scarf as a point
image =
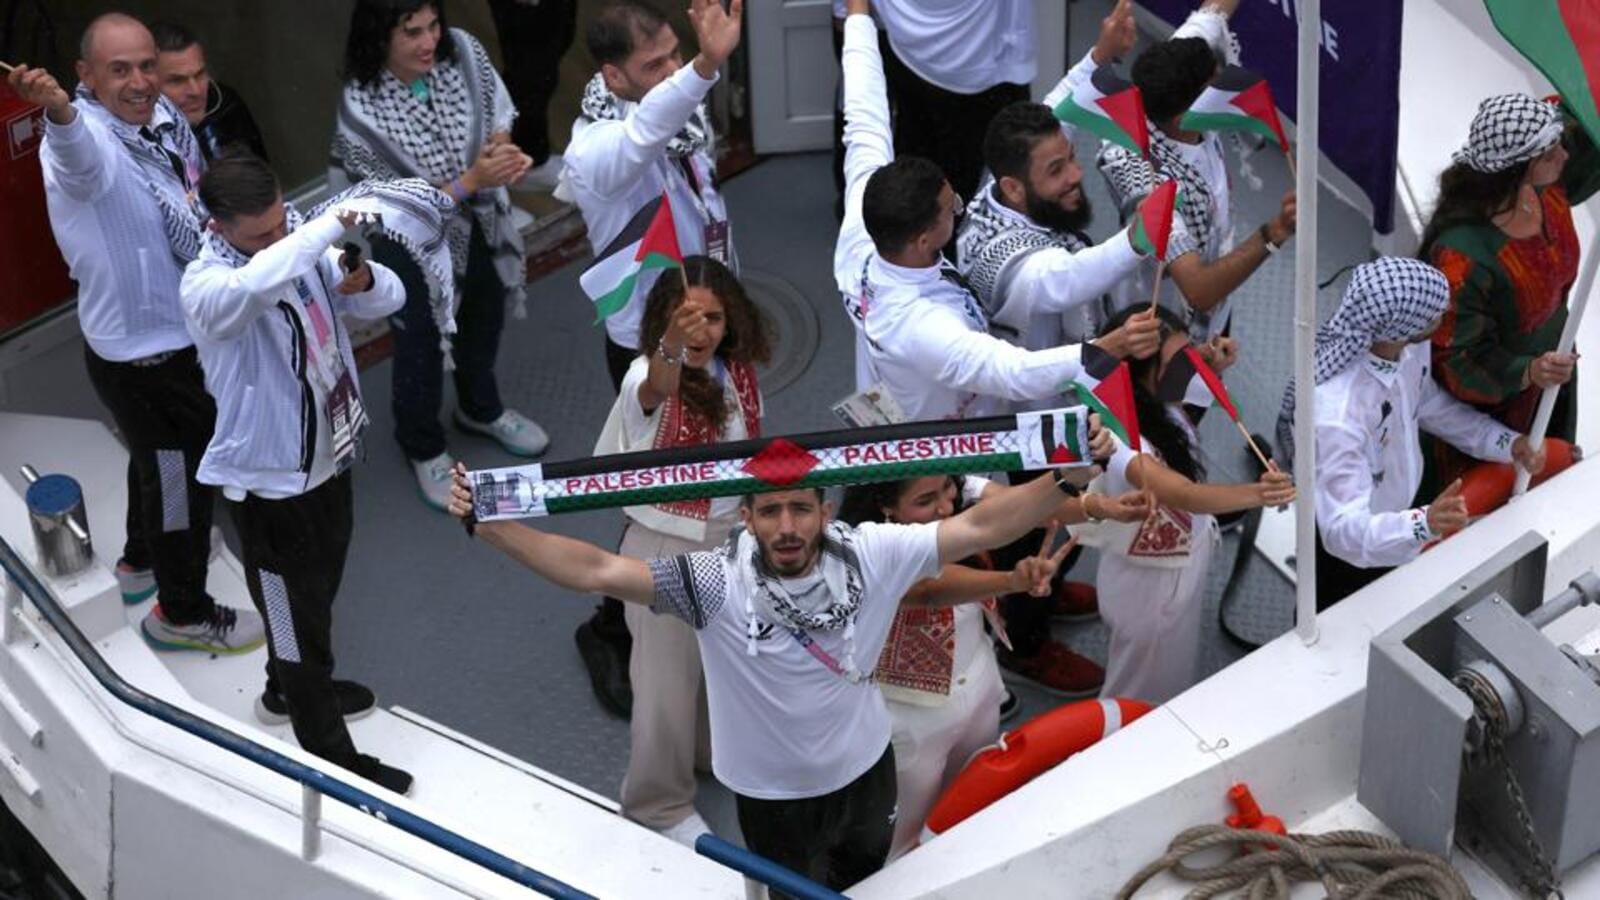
(683, 427)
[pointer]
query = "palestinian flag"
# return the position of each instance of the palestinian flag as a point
(1106, 388)
(1110, 107)
(1152, 224)
(650, 241)
(1236, 100)
(1020, 442)
(1562, 39)
(1185, 368)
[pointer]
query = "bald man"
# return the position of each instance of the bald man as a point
(120, 166)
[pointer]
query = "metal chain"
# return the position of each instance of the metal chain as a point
(1538, 870)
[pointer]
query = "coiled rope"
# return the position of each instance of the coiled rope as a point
(1350, 865)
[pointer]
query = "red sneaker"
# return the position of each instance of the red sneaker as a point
(1076, 601)
(1054, 669)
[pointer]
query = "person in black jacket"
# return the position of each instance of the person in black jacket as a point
(215, 111)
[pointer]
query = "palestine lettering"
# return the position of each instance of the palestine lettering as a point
(638, 479)
(917, 449)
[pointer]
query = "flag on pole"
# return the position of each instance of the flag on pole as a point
(1106, 388)
(1152, 224)
(1562, 39)
(1236, 100)
(650, 241)
(1185, 368)
(1110, 107)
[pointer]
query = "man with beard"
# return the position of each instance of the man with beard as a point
(1041, 282)
(791, 616)
(922, 335)
(1022, 245)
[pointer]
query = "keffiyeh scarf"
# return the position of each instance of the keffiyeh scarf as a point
(386, 132)
(1133, 177)
(990, 239)
(1389, 299)
(153, 147)
(1510, 129)
(831, 605)
(600, 105)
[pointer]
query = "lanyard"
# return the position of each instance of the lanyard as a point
(822, 656)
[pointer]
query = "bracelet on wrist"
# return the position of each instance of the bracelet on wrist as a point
(670, 358)
(1266, 239)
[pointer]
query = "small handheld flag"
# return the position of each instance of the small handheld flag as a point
(1237, 100)
(1111, 107)
(1106, 388)
(1174, 386)
(648, 241)
(1152, 223)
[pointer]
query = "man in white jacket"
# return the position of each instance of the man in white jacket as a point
(263, 301)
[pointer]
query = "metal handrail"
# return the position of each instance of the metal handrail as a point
(382, 810)
(764, 870)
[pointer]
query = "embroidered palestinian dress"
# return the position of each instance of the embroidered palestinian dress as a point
(1508, 304)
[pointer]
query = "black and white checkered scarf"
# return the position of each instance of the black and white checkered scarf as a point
(1510, 129)
(181, 217)
(990, 239)
(831, 606)
(386, 132)
(1391, 298)
(600, 105)
(1133, 177)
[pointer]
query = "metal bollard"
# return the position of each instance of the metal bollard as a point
(60, 530)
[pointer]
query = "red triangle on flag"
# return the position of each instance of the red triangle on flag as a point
(1126, 108)
(1062, 456)
(661, 236)
(781, 463)
(1256, 102)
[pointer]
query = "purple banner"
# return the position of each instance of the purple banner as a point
(1360, 110)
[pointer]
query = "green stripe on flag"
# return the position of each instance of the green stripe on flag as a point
(1098, 124)
(1107, 418)
(1555, 36)
(1194, 121)
(615, 299)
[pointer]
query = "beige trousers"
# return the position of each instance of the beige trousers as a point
(670, 735)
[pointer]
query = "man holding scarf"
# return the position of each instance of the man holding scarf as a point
(644, 132)
(263, 301)
(791, 616)
(120, 168)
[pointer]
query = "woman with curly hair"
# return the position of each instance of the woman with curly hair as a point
(1503, 236)
(422, 100)
(693, 383)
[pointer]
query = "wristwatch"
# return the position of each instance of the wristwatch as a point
(1063, 485)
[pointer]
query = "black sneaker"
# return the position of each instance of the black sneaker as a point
(608, 669)
(355, 700)
(373, 769)
(1009, 705)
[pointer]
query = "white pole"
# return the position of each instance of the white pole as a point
(1569, 336)
(1305, 322)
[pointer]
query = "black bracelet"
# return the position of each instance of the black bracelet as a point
(1065, 486)
(470, 523)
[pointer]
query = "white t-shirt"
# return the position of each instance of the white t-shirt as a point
(783, 726)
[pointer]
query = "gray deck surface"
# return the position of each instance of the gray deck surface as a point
(455, 631)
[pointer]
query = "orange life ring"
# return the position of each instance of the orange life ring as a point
(1038, 745)
(1487, 486)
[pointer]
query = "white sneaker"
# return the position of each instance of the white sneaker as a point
(687, 831)
(433, 480)
(542, 177)
(517, 433)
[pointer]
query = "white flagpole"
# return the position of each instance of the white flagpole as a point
(1305, 321)
(1569, 336)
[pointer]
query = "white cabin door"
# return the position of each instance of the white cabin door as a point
(793, 76)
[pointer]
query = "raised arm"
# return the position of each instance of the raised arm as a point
(997, 522)
(1206, 284)
(76, 158)
(868, 142)
(221, 302)
(628, 151)
(572, 564)
(1172, 489)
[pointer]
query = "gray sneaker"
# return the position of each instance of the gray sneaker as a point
(516, 433)
(227, 631)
